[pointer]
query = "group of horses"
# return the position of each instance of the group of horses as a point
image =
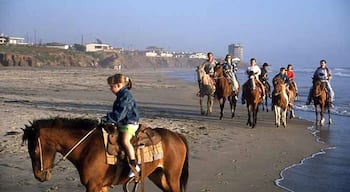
(283, 98)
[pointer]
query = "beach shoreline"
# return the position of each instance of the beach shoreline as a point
(225, 155)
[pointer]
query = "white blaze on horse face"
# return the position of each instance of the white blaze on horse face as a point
(252, 77)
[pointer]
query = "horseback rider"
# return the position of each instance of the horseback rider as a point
(209, 65)
(323, 74)
(125, 115)
(291, 76)
(263, 77)
(230, 72)
(255, 70)
(282, 75)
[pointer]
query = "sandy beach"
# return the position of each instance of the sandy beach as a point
(225, 155)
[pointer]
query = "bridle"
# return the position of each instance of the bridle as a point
(64, 157)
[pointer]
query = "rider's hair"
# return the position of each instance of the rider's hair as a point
(323, 61)
(119, 78)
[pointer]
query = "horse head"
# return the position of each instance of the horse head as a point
(319, 87)
(41, 153)
(219, 71)
(279, 86)
(251, 80)
(200, 73)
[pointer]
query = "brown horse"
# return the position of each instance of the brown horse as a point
(321, 101)
(251, 95)
(206, 88)
(292, 95)
(81, 142)
(280, 102)
(224, 91)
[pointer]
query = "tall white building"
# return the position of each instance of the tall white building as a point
(236, 51)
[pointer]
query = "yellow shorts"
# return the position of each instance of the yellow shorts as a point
(129, 128)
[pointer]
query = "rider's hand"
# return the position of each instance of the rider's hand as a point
(103, 120)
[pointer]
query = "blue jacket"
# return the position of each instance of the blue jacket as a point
(124, 109)
(283, 77)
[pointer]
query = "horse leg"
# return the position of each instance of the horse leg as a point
(277, 115)
(316, 113)
(232, 102)
(284, 117)
(159, 179)
(249, 123)
(322, 115)
(222, 105)
(329, 116)
(201, 105)
(255, 114)
(234, 107)
(209, 105)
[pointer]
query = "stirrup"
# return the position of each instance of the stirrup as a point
(132, 173)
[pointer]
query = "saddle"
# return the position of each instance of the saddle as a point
(146, 137)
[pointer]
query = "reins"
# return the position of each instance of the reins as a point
(65, 156)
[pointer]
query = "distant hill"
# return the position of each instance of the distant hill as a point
(36, 56)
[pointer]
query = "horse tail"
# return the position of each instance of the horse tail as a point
(185, 172)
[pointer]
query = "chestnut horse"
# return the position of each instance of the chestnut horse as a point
(81, 142)
(206, 88)
(251, 95)
(280, 102)
(224, 91)
(321, 102)
(292, 95)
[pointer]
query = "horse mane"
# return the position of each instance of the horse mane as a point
(58, 122)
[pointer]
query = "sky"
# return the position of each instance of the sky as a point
(300, 32)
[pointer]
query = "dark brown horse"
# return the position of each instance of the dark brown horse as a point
(321, 102)
(81, 142)
(252, 96)
(224, 91)
(280, 102)
(267, 90)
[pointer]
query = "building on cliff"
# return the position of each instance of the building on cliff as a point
(93, 47)
(11, 40)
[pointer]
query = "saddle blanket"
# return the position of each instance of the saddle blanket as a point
(150, 153)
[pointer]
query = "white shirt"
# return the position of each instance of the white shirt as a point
(256, 70)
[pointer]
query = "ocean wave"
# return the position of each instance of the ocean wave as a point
(337, 110)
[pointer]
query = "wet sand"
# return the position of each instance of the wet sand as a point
(225, 155)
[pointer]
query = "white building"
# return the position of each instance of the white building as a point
(12, 40)
(198, 56)
(93, 47)
(151, 54)
(236, 51)
(164, 54)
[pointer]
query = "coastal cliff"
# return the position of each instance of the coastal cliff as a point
(41, 56)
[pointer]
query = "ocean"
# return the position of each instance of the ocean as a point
(329, 169)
